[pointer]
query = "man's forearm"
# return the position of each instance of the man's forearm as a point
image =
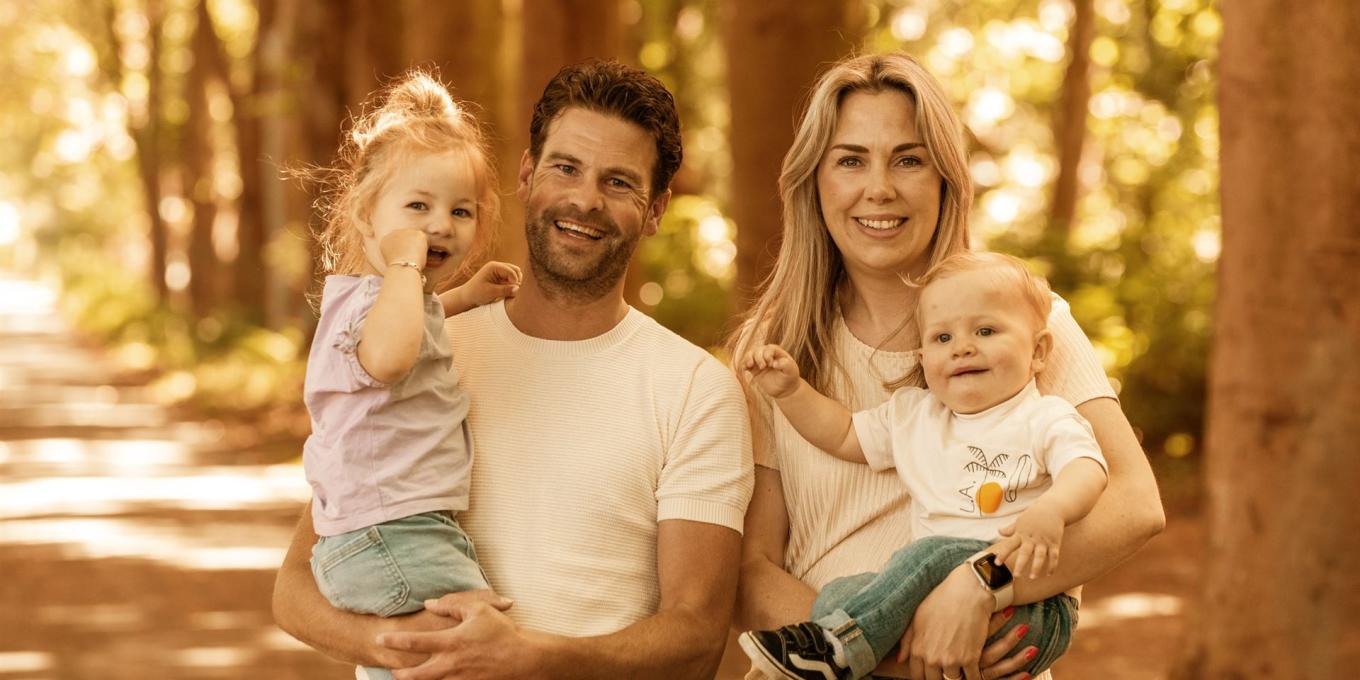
(672, 644)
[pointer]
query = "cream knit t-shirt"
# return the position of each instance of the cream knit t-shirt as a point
(581, 448)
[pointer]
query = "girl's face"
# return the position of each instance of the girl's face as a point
(435, 193)
(879, 192)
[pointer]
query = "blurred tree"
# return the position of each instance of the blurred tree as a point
(774, 51)
(1281, 588)
(208, 73)
(1070, 118)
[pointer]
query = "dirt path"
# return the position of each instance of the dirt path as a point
(134, 545)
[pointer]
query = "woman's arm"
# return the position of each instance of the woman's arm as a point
(1128, 514)
(767, 595)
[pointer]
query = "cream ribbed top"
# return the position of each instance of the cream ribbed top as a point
(846, 519)
(581, 448)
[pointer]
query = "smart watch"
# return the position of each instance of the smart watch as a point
(994, 577)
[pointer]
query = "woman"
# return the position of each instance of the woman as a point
(875, 188)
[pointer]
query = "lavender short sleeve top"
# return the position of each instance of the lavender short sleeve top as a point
(381, 451)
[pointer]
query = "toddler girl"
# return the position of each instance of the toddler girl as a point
(983, 454)
(412, 196)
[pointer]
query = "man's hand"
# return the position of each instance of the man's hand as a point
(484, 645)
(495, 280)
(772, 370)
(1031, 544)
(409, 245)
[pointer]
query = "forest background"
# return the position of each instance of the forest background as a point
(148, 143)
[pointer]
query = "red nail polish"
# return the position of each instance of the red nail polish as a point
(1024, 676)
(1031, 653)
(1008, 612)
(1021, 630)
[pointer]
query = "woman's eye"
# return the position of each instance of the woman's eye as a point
(462, 212)
(910, 161)
(849, 162)
(417, 205)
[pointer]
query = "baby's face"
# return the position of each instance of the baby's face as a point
(979, 342)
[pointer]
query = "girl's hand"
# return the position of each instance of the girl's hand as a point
(1030, 548)
(772, 370)
(495, 280)
(409, 245)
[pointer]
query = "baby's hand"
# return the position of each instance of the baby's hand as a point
(1031, 546)
(495, 280)
(404, 245)
(773, 370)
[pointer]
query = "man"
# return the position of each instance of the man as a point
(613, 461)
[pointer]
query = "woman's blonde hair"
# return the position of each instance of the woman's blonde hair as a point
(796, 307)
(414, 113)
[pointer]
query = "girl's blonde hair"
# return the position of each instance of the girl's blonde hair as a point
(796, 307)
(414, 113)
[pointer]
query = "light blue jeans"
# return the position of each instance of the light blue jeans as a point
(392, 568)
(870, 612)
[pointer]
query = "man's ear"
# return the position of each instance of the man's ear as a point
(657, 209)
(526, 171)
(1043, 345)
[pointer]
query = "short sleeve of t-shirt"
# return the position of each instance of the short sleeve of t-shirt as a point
(874, 427)
(1066, 436)
(708, 472)
(1073, 370)
(342, 323)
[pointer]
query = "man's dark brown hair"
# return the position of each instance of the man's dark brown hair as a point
(612, 88)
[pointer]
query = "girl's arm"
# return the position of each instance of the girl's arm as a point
(389, 341)
(822, 421)
(495, 280)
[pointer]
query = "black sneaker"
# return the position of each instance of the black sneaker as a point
(798, 652)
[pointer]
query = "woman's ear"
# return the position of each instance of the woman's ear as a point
(1043, 345)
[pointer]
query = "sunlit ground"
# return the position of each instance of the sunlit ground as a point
(130, 545)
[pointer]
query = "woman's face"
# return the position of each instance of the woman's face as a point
(880, 193)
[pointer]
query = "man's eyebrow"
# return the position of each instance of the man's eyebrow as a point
(559, 156)
(855, 148)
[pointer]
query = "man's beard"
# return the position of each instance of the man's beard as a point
(577, 277)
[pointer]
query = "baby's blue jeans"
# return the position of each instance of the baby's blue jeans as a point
(392, 568)
(870, 612)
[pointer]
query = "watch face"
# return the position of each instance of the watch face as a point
(992, 574)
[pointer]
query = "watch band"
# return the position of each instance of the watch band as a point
(1002, 596)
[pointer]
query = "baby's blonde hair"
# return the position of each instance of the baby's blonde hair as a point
(413, 113)
(1011, 273)
(1008, 272)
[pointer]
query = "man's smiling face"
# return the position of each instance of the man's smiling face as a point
(587, 201)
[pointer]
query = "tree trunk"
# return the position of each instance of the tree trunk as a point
(253, 105)
(199, 156)
(774, 51)
(1281, 591)
(147, 137)
(1069, 131)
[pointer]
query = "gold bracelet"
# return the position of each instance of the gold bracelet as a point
(411, 265)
